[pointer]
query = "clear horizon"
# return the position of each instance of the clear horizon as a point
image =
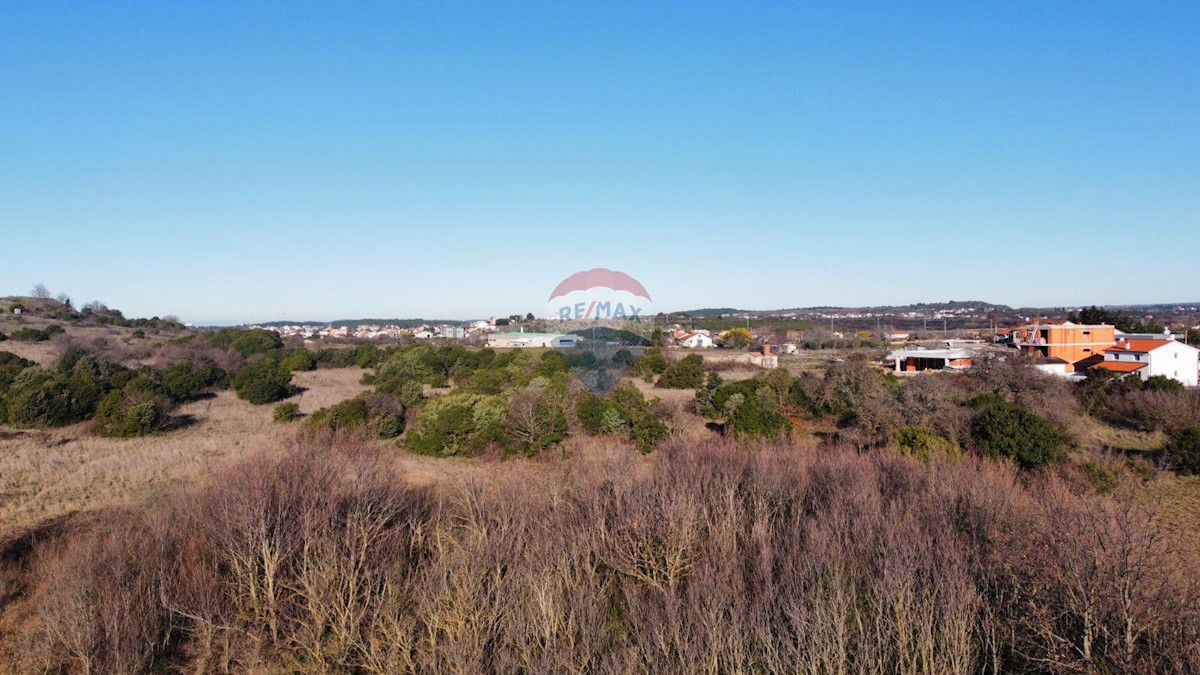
(233, 163)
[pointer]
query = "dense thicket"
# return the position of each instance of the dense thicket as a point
(718, 558)
(518, 401)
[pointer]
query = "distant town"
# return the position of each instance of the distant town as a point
(1142, 341)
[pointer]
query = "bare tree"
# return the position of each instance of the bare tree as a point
(40, 291)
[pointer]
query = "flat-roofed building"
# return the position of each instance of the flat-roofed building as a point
(519, 340)
(1081, 346)
(916, 360)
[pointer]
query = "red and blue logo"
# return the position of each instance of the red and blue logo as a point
(598, 293)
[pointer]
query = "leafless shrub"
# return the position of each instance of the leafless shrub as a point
(1014, 377)
(721, 557)
(1148, 410)
(97, 597)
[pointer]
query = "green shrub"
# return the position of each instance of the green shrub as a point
(624, 357)
(36, 398)
(458, 423)
(595, 414)
(1101, 478)
(718, 401)
(246, 342)
(408, 392)
(298, 359)
(1163, 383)
(647, 431)
(687, 373)
(134, 411)
(924, 443)
(367, 356)
(344, 415)
(1183, 451)
(652, 362)
(286, 412)
(262, 382)
(491, 380)
(756, 416)
(10, 366)
(183, 382)
(551, 363)
(28, 334)
(381, 413)
(336, 357)
(1009, 430)
(67, 394)
(641, 420)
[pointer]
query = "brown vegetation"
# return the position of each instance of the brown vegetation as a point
(45, 474)
(715, 558)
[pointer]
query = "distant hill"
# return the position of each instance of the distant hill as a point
(714, 311)
(354, 323)
(612, 335)
(915, 307)
(979, 305)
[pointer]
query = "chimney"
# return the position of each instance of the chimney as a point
(766, 350)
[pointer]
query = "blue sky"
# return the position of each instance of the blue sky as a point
(252, 161)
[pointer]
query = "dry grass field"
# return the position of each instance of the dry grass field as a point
(47, 474)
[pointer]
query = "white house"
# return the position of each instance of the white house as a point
(696, 341)
(1147, 358)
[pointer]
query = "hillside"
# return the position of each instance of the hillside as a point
(428, 505)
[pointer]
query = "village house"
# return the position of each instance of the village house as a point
(1147, 358)
(695, 341)
(763, 359)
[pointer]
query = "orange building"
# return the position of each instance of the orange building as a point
(1081, 346)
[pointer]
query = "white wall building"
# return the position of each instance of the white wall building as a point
(696, 341)
(519, 340)
(1147, 358)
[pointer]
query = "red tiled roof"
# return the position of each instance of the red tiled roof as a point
(1120, 366)
(1138, 345)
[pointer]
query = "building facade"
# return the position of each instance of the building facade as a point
(1081, 346)
(1147, 358)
